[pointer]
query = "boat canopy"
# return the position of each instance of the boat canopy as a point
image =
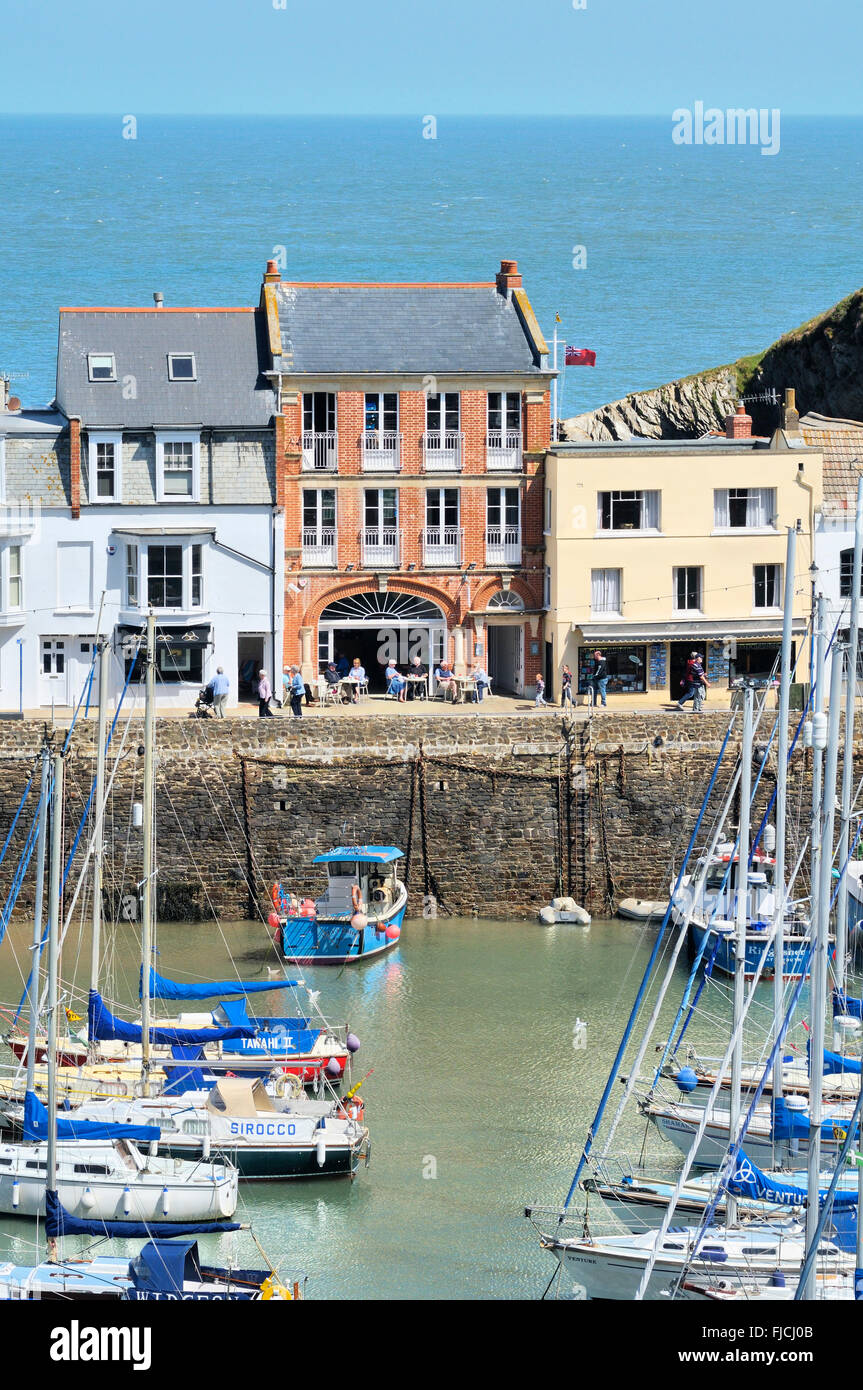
(165, 1265)
(844, 1004)
(182, 1074)
(379, 854)
(749, 1181)
(60, 1222)
(103, 1026)
(161, 988)
(237, 1095)
(36, 1126)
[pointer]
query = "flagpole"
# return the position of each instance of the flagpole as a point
(554, 388)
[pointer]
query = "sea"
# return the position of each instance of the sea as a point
(664, 259)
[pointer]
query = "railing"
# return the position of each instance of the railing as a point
(381, 545)
(442, 451)
(503, 451)
(382, 451)
(320, 451)
(503, 545)
(442, 545)
(319, 546)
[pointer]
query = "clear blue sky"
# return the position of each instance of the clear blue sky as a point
(429, 56)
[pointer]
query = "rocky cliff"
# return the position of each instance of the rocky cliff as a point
(822, 360)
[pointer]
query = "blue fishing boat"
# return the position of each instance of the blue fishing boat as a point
(359, 915)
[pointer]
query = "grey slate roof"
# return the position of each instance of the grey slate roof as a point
(32, 422)
(400, 328)
(229, 392)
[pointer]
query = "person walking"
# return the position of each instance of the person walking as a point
(695, 683)
(265, 695)
(297, 690)
(599, 679)
(566, 687)
(219, 687)
(539, 697)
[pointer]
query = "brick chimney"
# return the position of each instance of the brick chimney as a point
(738, 425)
(508, 278)
(790, 417)
(271, 274)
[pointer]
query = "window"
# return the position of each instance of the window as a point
(628, 511)
(546, 588)
(687, 587)
(319, 509)
(627, 668)
(14, 592)
(442, 508)
(768, 586)
(165, 576)
(319, 412)
(181, 366)
(104, 452)
(504, 411)
(846, 573)
(381, 508)
(132, 576)
(443, 412)
(100, 366)
(503, 508)
(744, 508)
(547, 526)
(381, 411)
(197, 577)
(177, 467)
(605, 591)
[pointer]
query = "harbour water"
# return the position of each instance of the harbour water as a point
(478, 1103)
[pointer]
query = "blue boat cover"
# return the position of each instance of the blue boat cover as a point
(102, 1025)
(749, 1181)
(160, 988)
(36, 1126)
(843, 1004)
(381, 854)
(59, 1222)
(183, 1077)
(163, 1267)
(794, 1124)
(835, 1062)
(278, 1035)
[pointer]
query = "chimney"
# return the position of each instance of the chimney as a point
(508, 278)
(158, 300)
(271, 274)
(790, 418)
(738, 425)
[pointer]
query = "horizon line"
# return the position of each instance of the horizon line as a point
(412, 115)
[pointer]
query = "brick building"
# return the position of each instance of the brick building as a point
(411, 426)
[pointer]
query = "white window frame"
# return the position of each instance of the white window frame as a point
(5, 575)
(699, 607)
(171, 356)
(607, 612)
(95, 437)
(642, 493)
(546, 531)
(91, 377)
(722, 512)
(780, 568)
(164, 437)
(186, 544)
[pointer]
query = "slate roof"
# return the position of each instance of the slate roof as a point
(230, 391)
(384, 329)
(842, 444)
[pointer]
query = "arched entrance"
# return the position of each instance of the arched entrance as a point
(380, 627)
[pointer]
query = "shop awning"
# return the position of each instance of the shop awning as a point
(174, 637)
(741, 629)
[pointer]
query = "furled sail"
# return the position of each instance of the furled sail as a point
(749, 1181)
(844, 1004)
(36, 1126)
(160, 988)
(102, 1026)
(835, 1062)
(59, 1222)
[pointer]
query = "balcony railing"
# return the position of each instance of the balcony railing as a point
(319, 546)
(442, 545)
(442, 451)
(382, 451)
(503, 451)
(503, 545)
(320, 451)
(381, 545)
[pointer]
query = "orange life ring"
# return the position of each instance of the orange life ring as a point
(357, 898)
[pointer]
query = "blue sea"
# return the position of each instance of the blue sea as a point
(694, 255)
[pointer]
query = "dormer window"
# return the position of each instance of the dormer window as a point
(100, 366)
(181, 366)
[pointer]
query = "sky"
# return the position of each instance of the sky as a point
(438, 57)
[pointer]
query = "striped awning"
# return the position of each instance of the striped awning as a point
(741, 630)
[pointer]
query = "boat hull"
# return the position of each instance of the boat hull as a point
(323, 941)
(794, 959)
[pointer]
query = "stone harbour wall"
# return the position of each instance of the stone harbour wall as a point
(496, 815)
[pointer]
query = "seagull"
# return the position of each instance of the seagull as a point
(273, 973)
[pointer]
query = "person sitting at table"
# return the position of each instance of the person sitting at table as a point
(445, 681)
(416, 680)
(482, 681)
(331, 676)
(357, 677)
(396, 683)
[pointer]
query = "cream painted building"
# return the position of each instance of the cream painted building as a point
(658, 548)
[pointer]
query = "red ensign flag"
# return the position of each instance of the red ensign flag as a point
(580, 357)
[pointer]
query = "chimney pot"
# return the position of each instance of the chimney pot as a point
(271, 274)
(508, 278)
(738, 425)
(158, 299)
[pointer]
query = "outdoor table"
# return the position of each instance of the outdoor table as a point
(349, 685)
(463, 684)
(418, 680)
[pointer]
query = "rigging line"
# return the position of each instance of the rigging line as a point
(642, 989)
(841, 1160)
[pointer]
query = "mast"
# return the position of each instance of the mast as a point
(848, 757)
(53, 940)
(741, 922)
(818, 974)
(33, 991)
(148, 901)
(98, 828)
(779, 889)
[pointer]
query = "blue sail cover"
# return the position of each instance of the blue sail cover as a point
(749, 1181)
(164, 1269)
(36, 1126)
(834, 1062)
(59, 1222)
(843, 1004)
(103, 1026)
(794, 1124)
(160, 988)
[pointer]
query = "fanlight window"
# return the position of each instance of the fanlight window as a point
(506, 600)
(374, 607)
